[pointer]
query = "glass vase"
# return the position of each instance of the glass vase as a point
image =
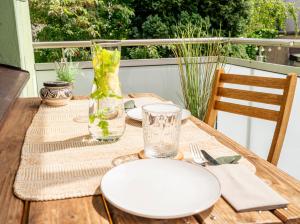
(106, 109)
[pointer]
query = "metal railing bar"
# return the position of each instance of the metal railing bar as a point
(150, 42)
(263, 66)
(268, 67)
(60, 44)
(127, 63)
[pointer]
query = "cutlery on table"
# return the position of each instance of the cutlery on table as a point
(198, 158)
(201, 157)
(209, 158)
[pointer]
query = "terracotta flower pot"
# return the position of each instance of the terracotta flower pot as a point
(57, 93)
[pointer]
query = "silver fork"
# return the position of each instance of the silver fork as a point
(197, 155)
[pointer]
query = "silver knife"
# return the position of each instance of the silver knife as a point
(209, 158)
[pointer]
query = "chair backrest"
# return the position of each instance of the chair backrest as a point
(284, 101)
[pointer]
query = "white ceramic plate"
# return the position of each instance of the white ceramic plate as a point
(160, 188)
(137, 114)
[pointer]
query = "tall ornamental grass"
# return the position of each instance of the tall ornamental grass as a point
(197, 65)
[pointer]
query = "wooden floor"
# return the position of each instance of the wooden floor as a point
(88, 210)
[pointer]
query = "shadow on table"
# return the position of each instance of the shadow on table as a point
(77, 142)
(118, 216)
(133, 122)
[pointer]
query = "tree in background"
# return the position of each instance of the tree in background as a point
(159, 19)
(268, 17)
(66, 20)
(81, 19)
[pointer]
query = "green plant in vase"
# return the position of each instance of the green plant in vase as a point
(106, 115)
(197, 65)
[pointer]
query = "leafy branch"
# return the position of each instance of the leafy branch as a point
(102, 123)
(106, 65)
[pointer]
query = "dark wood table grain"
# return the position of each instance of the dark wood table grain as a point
(12, 81)
(94, 209)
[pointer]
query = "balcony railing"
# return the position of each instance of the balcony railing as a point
(279, 43)
(148, 42)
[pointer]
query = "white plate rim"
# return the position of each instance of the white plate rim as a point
(182, 215)
(139, 108)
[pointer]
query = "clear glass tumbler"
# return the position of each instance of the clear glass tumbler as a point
(161, 128)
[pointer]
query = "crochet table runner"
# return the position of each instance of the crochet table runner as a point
(59, 160)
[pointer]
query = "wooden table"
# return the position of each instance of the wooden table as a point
(93, 209)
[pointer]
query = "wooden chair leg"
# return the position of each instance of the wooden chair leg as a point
(281, 126)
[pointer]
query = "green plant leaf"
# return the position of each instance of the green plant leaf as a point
(129, 104)
(92, 118)
(104, 126)
(66, 71)
(229, 159)
(197, 64)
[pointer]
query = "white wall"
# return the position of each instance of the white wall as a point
(163, 80)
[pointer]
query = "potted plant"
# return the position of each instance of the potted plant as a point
(59, 92)
(197, 65)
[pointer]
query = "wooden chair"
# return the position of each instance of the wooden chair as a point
(284, 101)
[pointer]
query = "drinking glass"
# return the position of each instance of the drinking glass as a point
(161, 129)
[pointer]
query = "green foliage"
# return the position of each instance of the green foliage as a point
(66, 20)
(144, 52)
(117, 15)
(191, 18)
(47, 55)
(100, 115)
(66, 71)
(238, 51)
(197, 66)
(104, 126)
(106, 64)
(154, 27)
(263, 33)
(293, 12)
(59, 20)
(271, 15)
(159, 18)
(232, 15)
(268, 17)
